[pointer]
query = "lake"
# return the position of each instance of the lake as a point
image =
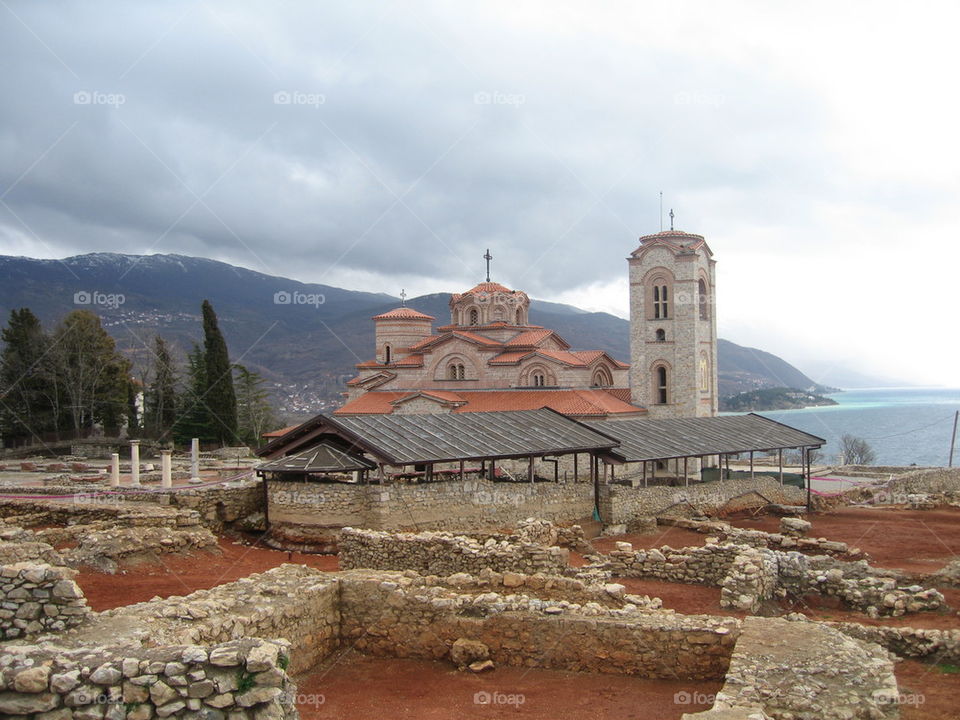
(904, 426)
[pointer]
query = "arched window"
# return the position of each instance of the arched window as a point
(474, 316)
(461, 372)
(662, 394)
(703, 300)
(538, 379)
(660, 302)
(456, 371)
(387, 354)
(601, 378)
(452, 372)
(661, 335)
(519, 317)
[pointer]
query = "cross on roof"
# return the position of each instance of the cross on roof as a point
(403, 298)
(488, 257)
(671, 218)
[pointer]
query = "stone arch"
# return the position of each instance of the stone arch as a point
(454, 366)
(703, 298)
(658, 284)
(661, 380)
(602, 377)
(537, 375)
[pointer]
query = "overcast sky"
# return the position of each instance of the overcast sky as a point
(386, 145)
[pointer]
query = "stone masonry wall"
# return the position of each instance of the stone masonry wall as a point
(435, 553)
(383, 617)
(753, 577)
(707, 565)
(239, 679)
(39, 598)
(620, 504)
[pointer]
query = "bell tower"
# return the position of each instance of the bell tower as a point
(673, 325)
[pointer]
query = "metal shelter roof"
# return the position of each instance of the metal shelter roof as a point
(664, 439)
(432, 438)
(410, 439)
(322, 458)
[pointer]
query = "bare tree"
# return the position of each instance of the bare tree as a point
(856, 451)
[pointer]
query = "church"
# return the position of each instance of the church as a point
(490, 358)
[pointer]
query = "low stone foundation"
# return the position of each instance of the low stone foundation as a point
(808, 671)
(39, 598)
(436, 553)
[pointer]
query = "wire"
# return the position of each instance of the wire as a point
(937, 422)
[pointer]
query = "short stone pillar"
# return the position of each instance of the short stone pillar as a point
(166, 476)
(195, 460)
(115, 470)
(135, 463)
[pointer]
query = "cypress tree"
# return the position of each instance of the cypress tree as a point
(220, 397)
(161, 396)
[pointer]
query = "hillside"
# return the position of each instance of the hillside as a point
(305, 338)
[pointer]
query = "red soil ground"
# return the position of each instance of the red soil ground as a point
(928, 692)
(357, 687)
(182, 574)
(913, 540)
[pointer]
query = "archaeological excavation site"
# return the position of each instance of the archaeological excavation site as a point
(321, 581)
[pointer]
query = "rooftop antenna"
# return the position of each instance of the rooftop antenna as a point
(403, 298)
(661, 211)
(671, 218)
(488, 257)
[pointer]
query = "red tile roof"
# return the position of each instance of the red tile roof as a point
(594, 403)
(588, 356)
(279, 433)
(403, 313)
(533, 337)
(444, 395)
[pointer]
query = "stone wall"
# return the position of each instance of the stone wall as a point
(436, 553)
(619, 504)
(236, 679)
(707, 565)
(290, 601)
(808, 670)
(39, 598)
(383, 617)
(316, 511)
(753, 578)
(940, 646)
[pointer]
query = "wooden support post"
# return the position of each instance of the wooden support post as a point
(780, 460)
(381, 477)
(595, 477)
(462, 475)
(727, 459)
(530, 469)
(751, 464)
(804, 460)
(644, 473)
(493, 471)
(575, 472)
(686, 478)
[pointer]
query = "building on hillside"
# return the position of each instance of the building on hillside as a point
(490, 358)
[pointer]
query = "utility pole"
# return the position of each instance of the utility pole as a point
(953, 437)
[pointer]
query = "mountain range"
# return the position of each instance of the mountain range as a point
(303, 338)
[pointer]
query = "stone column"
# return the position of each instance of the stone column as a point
(135, 463)
(166, 476)
(195, 460)
(115, 470)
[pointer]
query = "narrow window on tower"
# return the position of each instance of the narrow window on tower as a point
(664, 309)
(661, 385)
(538, 379)
(386, 354)
(660, 308)
(656, 302)
(703, 300)
(661, 335)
